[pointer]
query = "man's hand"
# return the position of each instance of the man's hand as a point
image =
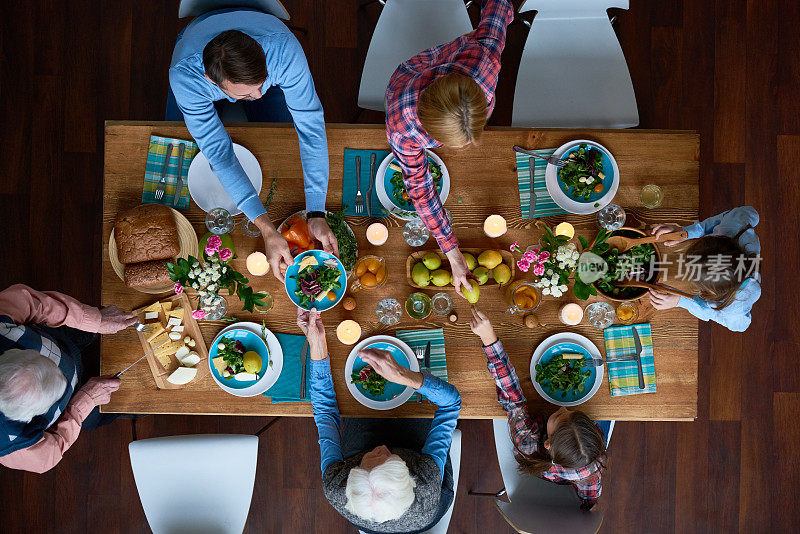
(112, 320)
(458, 266)
(661, 229)
(100, 388)
(481, 326)
(319, 230)
(277, 250)
(310, 322)
(384, 365)
(663, 301)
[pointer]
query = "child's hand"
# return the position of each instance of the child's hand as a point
(481, 326)
(661, 229)
(663, 301)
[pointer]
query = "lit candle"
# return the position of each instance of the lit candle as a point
(494, 226)
(565, 229)
(348, 332)
(257, 264)
(377, 234)
(571, 314)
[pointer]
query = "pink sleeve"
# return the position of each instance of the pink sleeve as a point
(48, 451)
(26, 305)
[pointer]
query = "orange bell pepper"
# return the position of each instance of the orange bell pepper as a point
(296, 233)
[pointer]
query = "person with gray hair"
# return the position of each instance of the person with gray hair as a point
(382, 475)
(42, 409)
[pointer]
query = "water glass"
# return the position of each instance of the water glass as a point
(612, 217)
(269, 303)
(219, 221)
(651, 196)
(600, 314)
(416, 233)
(249, 228)
(418, 306)
(442, 304)
(217, 309)
(389, 311)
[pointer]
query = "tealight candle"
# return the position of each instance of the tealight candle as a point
(571, 314)
(377, 234)
(348, 332)
(494, 226)
(257, 264)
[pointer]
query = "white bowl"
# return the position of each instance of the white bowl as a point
(569, 204)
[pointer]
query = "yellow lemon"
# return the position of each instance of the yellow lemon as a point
(566, 229)
(251, 361)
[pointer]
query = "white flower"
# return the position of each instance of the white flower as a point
(554, 279)
(195, 286)
(545, 282)
(215, 277)
(195, 265)
(562, 287)
(556, 293)
(571, 246)
(546, 291)
(549, 271)
(561, 265)
(224, 270)
(212, 287)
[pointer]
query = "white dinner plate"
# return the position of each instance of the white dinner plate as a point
(578, 340)
(272, 373)
(569, 204)
(383, 194)
(206, 189)
(360, 397)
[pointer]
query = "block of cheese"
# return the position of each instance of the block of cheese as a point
(166, 306)
(219, 364)
(160, 338)
(245, 377)
(158, 329)
(191, 359)
(182, 375)
(177, 328)
(177, 312)
(156, 307)
(174, 321)
(175, 336)
(151, 317)
(165, 360)
(181, 353)
(169, 348)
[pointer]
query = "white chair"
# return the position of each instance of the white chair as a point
(455, 460)
(537, 505)
(198, 484)
(194, 8)
(404, 29)
(573, 73)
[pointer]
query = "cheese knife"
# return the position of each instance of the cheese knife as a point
(532, 202)
(638, 357)
(179, 182)
(303, 358)
(140, 359)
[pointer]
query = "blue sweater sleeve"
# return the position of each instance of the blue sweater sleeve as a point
(326, 412)
(448, 400)
(735, 316)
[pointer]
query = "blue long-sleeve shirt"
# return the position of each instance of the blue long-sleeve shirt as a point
(326, 415)
(735, 316)
(286, 68)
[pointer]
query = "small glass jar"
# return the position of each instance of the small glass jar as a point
(627, 312)
(651, 196)
(369, 272)
(418, 306)
(600, 314)
(416, 233)
(389, 311)
(611, 218)
(442, 303)
(269, 303)
(219, 221)
(216, 309)
(249, 228)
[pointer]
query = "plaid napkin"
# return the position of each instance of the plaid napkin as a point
(287, 387)
(623, 377)
(350, 185)
(420, 338)
(544, 202)
(155, 164)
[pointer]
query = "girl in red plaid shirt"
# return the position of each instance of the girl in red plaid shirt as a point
(569, 449)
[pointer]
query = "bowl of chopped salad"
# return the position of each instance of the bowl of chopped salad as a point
(391, 189)
(367, 386)
(559, 369)
(637, 263)
(316, 280)
(245, 359)
(589, 180)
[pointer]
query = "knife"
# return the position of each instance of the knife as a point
(303, 357)
(140, 359)
(179, 183)
(638, 357)
(372, 158)
(427, 358)
(533, 193)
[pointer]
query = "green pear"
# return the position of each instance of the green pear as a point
(440, 277)
(432, 261)
(471, 261)
(482, 274)
(421, 275)
(471, 295)
(501, 274)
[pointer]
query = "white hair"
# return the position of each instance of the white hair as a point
(381, 494)
(29, 384)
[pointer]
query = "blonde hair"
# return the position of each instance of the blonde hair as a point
(453, 110)
(383, 493)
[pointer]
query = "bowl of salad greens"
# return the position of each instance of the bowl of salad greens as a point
(566, 381)
(348, 246)
(589, 180)
(245, 359)
(367, 386)
(636, 263)
(316, 280)
(391, 188)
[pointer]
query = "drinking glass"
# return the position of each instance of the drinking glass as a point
(416, 233)
(219, 221)
(522, 297)
(627, 312)
(612, 217)
(217, 309)
(442, 304)
(600, 314)
(651, 196)
(369, 272)
(269, 303)
(418, 306)
(249, 228)
(389, 311)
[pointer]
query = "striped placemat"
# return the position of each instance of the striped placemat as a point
(156, 154)
(623, 377)
(420, 338)
(544, 202)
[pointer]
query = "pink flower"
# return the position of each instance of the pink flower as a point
(534, 250)
(514, 246)
(544, 256)
(210, 251)
(199, 314)
(225, 254)
(538, 270)
(214, 242)
(178, 289)
(523, 265)
(530, 256)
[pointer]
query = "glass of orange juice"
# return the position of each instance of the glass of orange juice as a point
(369, 272)
(522, 297)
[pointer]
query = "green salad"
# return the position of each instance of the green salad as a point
(583, 173)
(348, 247)
(399, 187)
(633, 264)
(232, 351)
(316, 282)
(562, 376)
(370, 380)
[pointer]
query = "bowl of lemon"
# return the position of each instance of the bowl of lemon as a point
(245, 359)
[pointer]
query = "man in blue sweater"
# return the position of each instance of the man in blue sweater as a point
(244, 54)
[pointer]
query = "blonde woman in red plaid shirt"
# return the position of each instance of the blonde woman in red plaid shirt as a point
(443, 97)
(569, 449)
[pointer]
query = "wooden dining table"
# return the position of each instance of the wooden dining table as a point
(483, 182)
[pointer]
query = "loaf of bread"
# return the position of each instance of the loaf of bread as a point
(146, 273)
(146, 233)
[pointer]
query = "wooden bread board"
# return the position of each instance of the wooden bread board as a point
(415, 257)
(191, 329)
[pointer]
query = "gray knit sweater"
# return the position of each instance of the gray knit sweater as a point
(418, 517)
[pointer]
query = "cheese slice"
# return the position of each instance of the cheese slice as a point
(166, 306)
(308, 261)
(245, 377)
(157, 331)
(169, 348)
(191, 360)
(177, 312)
(158, 339)
(154, 307)
(178, 328)
(175, 336)
(151, 317)
(395, 167)
(322, 296)
(219, 364)
(182, 375)
(181, 353)
(175, 321)
(165, 360)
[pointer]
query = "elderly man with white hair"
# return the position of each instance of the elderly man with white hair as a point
(42, 409)
(383, 475)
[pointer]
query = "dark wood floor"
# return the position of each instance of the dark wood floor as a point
(727, 68)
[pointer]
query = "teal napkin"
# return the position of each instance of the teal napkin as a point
(420, 338)
(544, 202)
(156, 154)
(287, 387)
(350, 187)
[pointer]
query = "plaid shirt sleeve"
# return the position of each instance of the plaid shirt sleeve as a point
(524, 429)
(496, 15)
(586, 481)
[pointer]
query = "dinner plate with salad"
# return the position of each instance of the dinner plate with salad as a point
(246, 359)
(392, 190)
(316, 280)
(367, 386)
(589, 180)
(294, 229)
(559, 372)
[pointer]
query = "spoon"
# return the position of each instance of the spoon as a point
(655, 287)
(624, 243)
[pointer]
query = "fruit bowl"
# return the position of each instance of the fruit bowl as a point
(415, 257)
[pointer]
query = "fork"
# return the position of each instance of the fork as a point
(552, 160)
(359, 197)
(142, 328)
(419, 352)
(163, 182)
